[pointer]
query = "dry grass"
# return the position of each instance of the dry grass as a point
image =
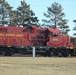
(37, 66)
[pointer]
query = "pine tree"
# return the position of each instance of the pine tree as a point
(5, 12)
(25, 16)
(55, 17)
(2, 12)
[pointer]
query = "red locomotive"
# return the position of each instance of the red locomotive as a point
(22, 39)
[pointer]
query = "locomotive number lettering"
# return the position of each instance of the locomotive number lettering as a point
(19, 35)
(54, 39)
(12, 35)
(1, 34)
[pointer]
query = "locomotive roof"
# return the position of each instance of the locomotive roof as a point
(54, 30)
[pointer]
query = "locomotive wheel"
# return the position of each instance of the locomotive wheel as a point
(22, 51)
(49, 53)
(9, 52)
(65, 53)
(71, 52)
(60, 54)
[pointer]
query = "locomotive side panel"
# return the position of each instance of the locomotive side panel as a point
(46, 39)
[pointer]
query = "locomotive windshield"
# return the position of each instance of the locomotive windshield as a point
(55, 35)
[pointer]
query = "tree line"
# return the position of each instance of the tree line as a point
(24, 16)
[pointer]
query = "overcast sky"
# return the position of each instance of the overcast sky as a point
(40, 6)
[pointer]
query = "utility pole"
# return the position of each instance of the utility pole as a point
(33, 52)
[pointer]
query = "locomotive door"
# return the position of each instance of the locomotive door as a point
(25, 41)
(2, 40)
(17, 41)
(9, 41)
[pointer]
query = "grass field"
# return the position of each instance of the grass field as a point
(37, 66)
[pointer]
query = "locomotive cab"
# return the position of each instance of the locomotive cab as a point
(57, 43)
(54, 34)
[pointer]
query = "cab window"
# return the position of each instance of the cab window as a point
(55, 35)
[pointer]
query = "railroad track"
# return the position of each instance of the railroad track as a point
(20, 55)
